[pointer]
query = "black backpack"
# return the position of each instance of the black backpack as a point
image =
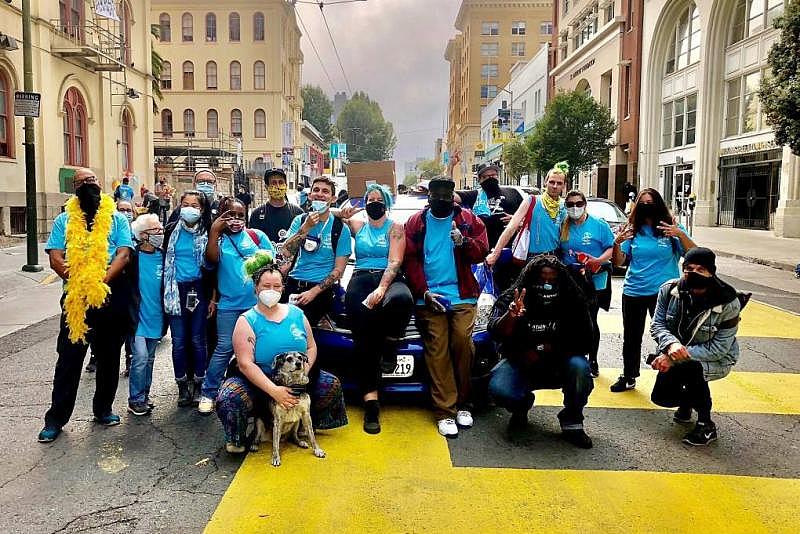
(336, 232)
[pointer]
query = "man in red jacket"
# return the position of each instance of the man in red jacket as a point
(443, 241)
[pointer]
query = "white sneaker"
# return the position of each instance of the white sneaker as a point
(205, 406)
(448, 428)
(464, 419)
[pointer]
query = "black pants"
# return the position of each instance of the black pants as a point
(593, 310)
(108, 327)
(376, 331)
(634, 310)
(684, 385)
(317, 308)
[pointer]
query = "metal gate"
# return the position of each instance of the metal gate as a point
(748, 190)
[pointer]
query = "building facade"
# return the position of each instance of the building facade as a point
(93, 75)
(703, 131)
(493, 37)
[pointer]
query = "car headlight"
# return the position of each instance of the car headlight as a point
(485, 305)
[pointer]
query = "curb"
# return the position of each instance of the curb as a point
(760, 261)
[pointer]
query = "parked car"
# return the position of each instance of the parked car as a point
(605, 209)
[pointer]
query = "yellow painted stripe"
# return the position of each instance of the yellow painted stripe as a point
(739, 392)
(49, 279)
(402, 481)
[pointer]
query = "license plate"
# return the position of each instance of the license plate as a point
(404, 367)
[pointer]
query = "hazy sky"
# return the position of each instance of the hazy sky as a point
(394, 51)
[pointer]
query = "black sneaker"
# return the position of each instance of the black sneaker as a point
(139, 408)
(623, 384)
(683, 415)
(594, 369)
(184, 395)
(91, 367)
(372, 424)
(578, 438)
(702, 434)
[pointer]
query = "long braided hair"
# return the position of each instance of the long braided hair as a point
(569, 291)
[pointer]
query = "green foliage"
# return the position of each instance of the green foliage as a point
(575, 128)
(157, 67)
(317, 109)
(516, 159)
(368, 135)
(410, 180)
(780, 93)
(430, 168)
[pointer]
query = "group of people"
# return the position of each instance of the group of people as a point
(238, 292)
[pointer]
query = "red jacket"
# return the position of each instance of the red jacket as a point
(474, 250)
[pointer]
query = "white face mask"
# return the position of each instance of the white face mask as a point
(190, 215)
(155, 239)
(320, 206)
(269, 297)
(576, 212)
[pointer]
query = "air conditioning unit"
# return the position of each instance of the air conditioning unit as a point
(7, 42)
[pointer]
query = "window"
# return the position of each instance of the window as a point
(489, 70)
(71, 17)
(490, 28)
(166, 123)
(751, 17)
(188, 76)
(545, 28)
(537, 101)
(164, 28)
(629, 16)
(74, 129)
(188, 122)
(187, 28)
(743, 112)
(260, 122)
(166, 75)
(236, 123)
(517, 49)
(488, 91)
(212, 123)
(211, 28)
(234, 27)
(518, 27)
(211, 75)
(490, 49)
(258, 27)
(732, 107)
(684, 50)
(6, 116)
(259, 76)
(609, 12)
(628, 91)
(126, 19)
(236, 76)
(679, 122)
(127, 136)
(586, 28)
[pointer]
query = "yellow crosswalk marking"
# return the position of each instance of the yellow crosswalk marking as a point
(402, 480)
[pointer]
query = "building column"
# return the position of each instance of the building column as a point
(787, 216)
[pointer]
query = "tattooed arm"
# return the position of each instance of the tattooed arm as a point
(291, 246)
(244, 346)
(397, 249)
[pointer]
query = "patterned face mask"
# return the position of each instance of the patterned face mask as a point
(276, 192)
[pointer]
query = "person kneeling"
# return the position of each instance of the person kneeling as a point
(695, 326)
(544, 329)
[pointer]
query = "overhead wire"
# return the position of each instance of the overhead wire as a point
(335, 48)
(316, 52)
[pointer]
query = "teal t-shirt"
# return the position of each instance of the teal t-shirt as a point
(545, 231)
(593, 237)
(653, 261)
(273, 338)
(186, 267)
(316, 266)
(235, 289)
(151, 314)
(118, 237)
(440, 260)
(481, 206)
(372, 246)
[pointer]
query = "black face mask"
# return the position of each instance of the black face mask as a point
(375, 210)
(645, 211)
(440, 208)
(491, 186)
(89, 198)
(695, 280)
(544, 294)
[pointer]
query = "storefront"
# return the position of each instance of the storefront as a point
(749, 188)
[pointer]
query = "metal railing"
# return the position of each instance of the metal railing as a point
(91, 39)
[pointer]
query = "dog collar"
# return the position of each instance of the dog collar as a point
(298, 389)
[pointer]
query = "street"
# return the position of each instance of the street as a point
(169, 472)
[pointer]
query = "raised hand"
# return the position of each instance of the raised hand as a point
(625, 233)
(312, 219)
(456, 235)
(517, 306)
(670, 230)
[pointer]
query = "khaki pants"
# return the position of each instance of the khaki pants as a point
(449, 353)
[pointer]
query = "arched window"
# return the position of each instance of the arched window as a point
(259, 165)
(211, 27)
(71, 16)
(166, 123)
(166, 75)
(684, 50)
(234, 27)
(188, 122)
(126, 20)
(259, 76)
(211, 75)
(164, 28)
(258, 27)
(188, 76)
(212, 123)
(260, 123)
(127, 139)
(187, 28)
(751, 17)
(6, 116)
(236, 76)
(74, 129)
(236, 123)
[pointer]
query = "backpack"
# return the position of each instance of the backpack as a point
(254, 236)
(336, 232)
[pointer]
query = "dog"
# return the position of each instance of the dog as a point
(288, 370)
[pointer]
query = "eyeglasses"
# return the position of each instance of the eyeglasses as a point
(574, 204)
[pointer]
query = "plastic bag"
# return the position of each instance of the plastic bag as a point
(483, 273)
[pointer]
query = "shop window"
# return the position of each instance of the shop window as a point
(684, 48)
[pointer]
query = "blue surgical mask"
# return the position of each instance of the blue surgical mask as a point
(547, 287)
(320, 206)
(129, 216)
(190, 215)
(207, 188)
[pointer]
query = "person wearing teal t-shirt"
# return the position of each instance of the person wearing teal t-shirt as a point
(654, 243)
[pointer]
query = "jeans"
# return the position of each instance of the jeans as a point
(684, 385)
(144, 354)
(226, 321)
(512, 388)
(189, 333)
(634, 310)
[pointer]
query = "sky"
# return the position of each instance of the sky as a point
(394, 51)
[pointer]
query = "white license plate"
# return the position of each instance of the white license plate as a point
(404, 367)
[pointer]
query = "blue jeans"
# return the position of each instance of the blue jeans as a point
(144, 354)
(189, 333)
(226, 321)
(512, 388)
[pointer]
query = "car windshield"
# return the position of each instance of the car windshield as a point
(605, 210)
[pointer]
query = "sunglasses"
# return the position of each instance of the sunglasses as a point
(575, 204)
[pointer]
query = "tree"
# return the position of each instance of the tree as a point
(317, 109)
(780, 93)
(575, 128)
(410, 179)
(429, 168)
(516, 159)
(368, 135)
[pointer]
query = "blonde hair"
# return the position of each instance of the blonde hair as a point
(144, 222)
(565, 224)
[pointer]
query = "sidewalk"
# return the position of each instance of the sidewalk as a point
(26, 298)
(755, 246)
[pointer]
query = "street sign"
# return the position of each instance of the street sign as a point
(343, 150)
(334, 151)
(27, 104)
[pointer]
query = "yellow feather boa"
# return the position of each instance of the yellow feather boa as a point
(87, 260)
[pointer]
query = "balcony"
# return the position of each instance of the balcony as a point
(96, 48)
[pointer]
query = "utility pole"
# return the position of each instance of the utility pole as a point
(31, 223)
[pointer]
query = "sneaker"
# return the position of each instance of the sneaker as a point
(372, 424)
(205, 406)
(234, 449)
(109, 419)
(91, 367)
(139, 408)
(197, 387)
(702, 434)
(594, 369)
(150, 403)
(184, 395)
(464, 419)
(623, 384)
(49, 434)
(578, 438)
(682, 415)
(448, 428)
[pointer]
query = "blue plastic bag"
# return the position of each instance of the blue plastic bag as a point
(483, 273)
